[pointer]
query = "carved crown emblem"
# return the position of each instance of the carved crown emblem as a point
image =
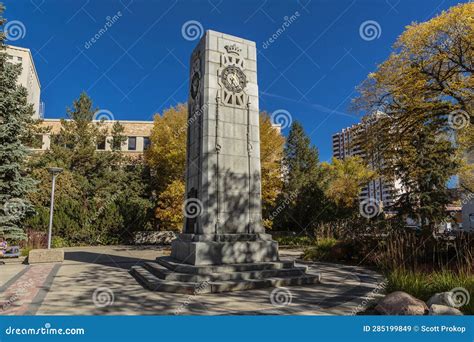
(233, 49)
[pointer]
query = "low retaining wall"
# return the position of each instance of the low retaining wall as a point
(154, 238)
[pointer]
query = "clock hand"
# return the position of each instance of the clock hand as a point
(234, 80)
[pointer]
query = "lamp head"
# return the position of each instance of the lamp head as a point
(55, 170)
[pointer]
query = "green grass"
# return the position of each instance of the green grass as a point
(423, 285)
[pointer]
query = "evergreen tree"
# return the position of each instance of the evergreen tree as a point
(302, 195)
(102, 197)
(15, 117)
(300, 159)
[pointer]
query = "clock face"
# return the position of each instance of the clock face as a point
(195, 85)
(233, 79)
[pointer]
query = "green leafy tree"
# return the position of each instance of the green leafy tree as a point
(15, 117)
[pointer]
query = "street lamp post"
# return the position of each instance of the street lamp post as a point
(54, 172)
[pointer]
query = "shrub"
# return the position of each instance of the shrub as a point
(25, 251)
(58, 242)
(295, 241)
(321, 251)
(423, 285)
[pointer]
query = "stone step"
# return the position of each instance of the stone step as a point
(228, 286)
(176, 266)
(164, 273)
(153, 283)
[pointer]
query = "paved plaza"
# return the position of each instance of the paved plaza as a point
(96, 281)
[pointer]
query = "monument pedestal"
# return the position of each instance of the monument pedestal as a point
(224, 249)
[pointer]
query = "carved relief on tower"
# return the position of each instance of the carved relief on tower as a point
(195, 90)
(232, 78)
(195, 106)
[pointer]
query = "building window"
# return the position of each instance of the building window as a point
(146, 143)
(101, 144)
(132, 143)
(19, 59)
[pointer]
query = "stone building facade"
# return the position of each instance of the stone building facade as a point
(28, 77)
(137, 135)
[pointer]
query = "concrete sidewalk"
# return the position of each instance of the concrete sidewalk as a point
(95, 281)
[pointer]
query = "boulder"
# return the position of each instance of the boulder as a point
(443, 310)
(442, 298)
(401, 303)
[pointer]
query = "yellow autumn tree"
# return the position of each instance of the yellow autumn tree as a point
(271, 154)
(166, 155)
(169, 209)
(421, 98)
(166, 158)
(345, 179)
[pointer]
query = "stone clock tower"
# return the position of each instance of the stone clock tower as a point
(223, 246)
(223, 190)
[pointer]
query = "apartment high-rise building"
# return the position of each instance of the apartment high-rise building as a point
(346, 144)
(28, 77)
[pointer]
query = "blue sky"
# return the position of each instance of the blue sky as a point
(139, 67)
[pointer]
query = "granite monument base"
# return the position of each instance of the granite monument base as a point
(221, 263)
(224, 249)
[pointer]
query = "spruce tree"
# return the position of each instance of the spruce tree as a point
(300, 159)
(302, 195)
(15, 118)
